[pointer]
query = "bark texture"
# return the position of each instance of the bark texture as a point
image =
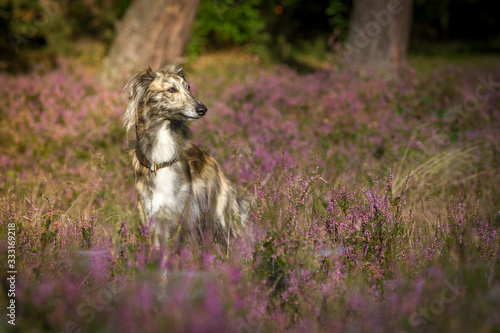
(153, 32)
(379, 35)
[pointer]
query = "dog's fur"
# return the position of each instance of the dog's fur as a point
(190, 198)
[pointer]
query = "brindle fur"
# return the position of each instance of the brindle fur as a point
(191, 198)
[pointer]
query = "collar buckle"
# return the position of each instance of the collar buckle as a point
(154, 167)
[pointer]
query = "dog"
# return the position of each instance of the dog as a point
(180, 188)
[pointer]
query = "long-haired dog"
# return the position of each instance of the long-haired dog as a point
(179, 186)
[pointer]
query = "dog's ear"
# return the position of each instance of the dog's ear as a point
(175, 69)
(178, 70)
(135, 90)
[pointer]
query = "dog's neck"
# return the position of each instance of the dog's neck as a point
(162, 141)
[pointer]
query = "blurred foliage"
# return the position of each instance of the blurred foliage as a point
(53, 25)
(225, 23)
(465, 26)
(282, 29)
(338, 12)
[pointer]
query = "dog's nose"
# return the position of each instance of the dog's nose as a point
(201, 110)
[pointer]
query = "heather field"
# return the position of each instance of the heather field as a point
(376, 203)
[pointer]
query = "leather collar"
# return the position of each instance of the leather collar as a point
(153, 166)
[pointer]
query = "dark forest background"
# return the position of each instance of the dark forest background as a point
(277, 29)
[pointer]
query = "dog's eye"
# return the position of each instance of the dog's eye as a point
(171, 90)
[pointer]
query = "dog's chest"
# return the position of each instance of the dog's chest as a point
(164, 148)
(169, 193)
(169, 189)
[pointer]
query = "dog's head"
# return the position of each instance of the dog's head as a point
(163, 95)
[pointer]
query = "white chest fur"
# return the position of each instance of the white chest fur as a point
(164, 148)
(170, 191)
(169, 195)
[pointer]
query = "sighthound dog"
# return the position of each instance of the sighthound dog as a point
(179, 186)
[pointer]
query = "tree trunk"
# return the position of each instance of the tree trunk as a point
(152, 32)
(379, 35)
